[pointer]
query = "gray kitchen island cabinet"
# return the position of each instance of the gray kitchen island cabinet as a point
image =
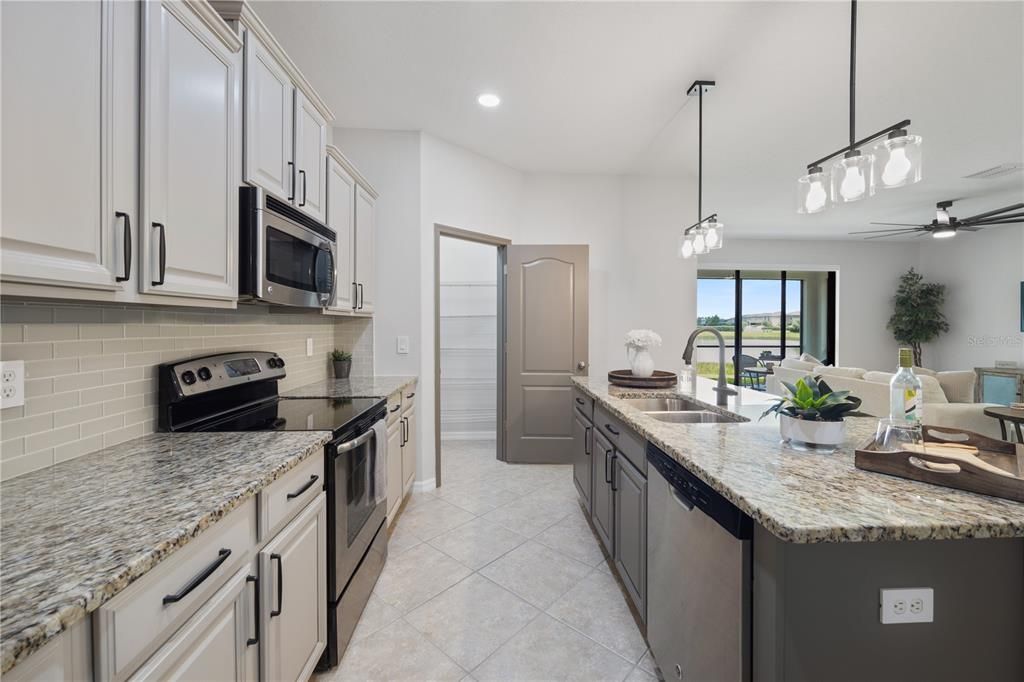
(582, 457)
(602, 513)
(629, 488)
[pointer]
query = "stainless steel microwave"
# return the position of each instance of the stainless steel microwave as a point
(285, 257)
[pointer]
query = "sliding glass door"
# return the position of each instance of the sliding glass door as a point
(764, 316)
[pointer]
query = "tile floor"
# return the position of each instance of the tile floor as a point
(495, 576)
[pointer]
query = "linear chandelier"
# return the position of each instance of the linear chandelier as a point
(707, 233)
(896, 160)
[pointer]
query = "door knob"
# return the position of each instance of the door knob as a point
(581, 365)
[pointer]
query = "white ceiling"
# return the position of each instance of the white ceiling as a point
(600, 88)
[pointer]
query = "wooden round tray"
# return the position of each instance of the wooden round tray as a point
(660, 379)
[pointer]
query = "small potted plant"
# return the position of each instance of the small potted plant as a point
(342, 361)
(812, 413)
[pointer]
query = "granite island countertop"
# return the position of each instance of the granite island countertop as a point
(76, 534)
(808, 497)
(354, 387)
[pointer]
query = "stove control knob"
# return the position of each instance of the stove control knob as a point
(205, 374)
(272, 363)
(280, 363)
(188, 377)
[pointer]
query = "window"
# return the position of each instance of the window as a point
(764, 316)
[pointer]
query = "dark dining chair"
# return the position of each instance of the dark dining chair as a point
(750, 367)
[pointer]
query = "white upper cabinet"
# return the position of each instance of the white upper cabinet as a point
(269, 114)
(365, 255)
(67, 200)
(341, 196)
(310, 151)
(191, 153)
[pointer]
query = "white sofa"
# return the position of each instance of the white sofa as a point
(947, 401)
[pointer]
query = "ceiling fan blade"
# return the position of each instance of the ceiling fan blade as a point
(987, 223)
(894, 231)
(883, 236)
(902, 224)
(997, 218)
(996, 212)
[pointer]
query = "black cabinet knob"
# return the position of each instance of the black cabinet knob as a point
(205, 374)
(280, 362)
(188, 377)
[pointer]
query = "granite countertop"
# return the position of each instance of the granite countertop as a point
(808, 497)
(354, 387)
(78, 533)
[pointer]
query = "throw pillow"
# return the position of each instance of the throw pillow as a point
(793, 363)
(807, 357)
(958, 385)
(848, 372)
(931, 391)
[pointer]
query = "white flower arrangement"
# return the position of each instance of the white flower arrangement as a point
(643, 338)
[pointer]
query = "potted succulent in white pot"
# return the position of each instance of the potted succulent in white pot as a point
(812, 414)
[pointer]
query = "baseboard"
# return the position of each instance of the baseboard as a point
(467, 435)
(423, 486)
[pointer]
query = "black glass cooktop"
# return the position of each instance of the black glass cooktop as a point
(298, 414)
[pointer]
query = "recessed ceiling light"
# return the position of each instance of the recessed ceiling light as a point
(489, 100)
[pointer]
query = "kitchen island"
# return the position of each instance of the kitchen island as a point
(826, 538)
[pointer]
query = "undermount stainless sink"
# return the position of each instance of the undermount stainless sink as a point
(678, 411)
(662, 404)
(691, 417)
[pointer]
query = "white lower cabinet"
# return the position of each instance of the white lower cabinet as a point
(294, 596)
(214, 643)
(409, 445)
(394, 466)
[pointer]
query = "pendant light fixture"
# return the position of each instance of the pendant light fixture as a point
(896, 160)
(707, 233)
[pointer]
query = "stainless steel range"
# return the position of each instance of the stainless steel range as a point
(239, 392)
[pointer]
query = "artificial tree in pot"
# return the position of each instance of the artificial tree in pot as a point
(812, 412)
(917, 312)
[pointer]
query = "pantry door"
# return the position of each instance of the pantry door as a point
(546, 345)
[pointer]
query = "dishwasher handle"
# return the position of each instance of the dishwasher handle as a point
(684, 501)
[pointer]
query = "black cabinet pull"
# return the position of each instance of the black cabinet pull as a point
(222, 556)
(255, 639)
(127, 246)
(411, 396)
(163, 254)
(615, 488)
(611, 429)
(579, 401)
(302, 174)
(355, 295)
(292, 166)
(586, 441)
(396, 408)
(361, 297)
(607, 459)
(309, 484)
(280, 584)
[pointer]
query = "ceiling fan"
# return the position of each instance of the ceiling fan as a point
(945, 225)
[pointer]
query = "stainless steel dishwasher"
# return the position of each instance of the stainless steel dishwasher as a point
(698, 572)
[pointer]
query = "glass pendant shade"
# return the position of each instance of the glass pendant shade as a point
(898, 160)
(812, 191)
(853, 178)
(700, 244)
(715, 233)
(685, 246)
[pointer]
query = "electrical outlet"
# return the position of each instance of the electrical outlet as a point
(910, 605)
(12, 387)
(309, 347)
(402, 345)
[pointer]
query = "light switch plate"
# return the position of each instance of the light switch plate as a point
(403, 345)
(309, 347)
(908, 605)
(13, 384)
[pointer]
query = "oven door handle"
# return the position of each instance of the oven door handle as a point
(354, 443)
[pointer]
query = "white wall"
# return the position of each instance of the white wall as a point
(390, 160)
(982, 272)
(868, 274)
